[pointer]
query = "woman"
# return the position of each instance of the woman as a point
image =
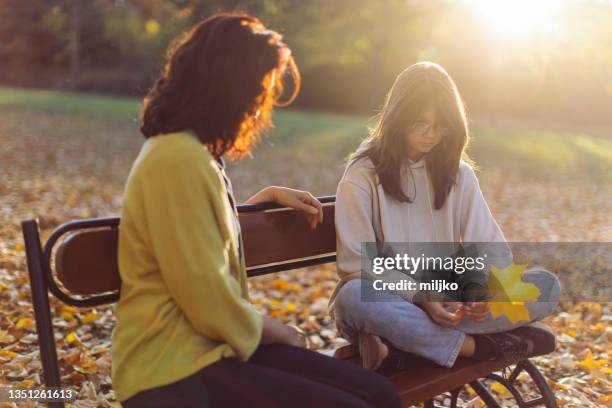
(407, 183)
(187, 335)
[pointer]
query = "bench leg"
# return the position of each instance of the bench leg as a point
(42, 312)
(484, 394)
(454, 397)
(429, 404)
(547, 397)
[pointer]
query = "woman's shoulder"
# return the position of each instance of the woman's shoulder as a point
(174, 160)
(180, 151)
(183, 145)
(358, 183)
(360, 171)
(466, 175)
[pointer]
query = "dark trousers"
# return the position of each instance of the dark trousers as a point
(275, 376)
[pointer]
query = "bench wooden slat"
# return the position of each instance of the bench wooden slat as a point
(86, 261)
(283, 235)
(423, 379)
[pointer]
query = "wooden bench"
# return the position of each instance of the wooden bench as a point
(84, 273)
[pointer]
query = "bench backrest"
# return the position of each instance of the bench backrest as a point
(274, 238)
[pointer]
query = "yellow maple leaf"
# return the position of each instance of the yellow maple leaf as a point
(25, 323)
(27, 383)
(510, 293)
(8, 354)
(69, 309)
(280, 284)
(514, 311)
(499, 389)
(90, 317)
(590, 363)
(290, 307)
(73, 338)
(67, 316)
(604, 399)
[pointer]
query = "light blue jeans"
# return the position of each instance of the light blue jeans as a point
(408, 328)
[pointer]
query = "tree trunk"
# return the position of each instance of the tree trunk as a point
(75, 43)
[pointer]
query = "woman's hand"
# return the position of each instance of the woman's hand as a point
(275, 332)
(288, 197)
(477, 310)
(440, 315)
(296, 337)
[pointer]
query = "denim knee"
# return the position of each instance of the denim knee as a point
(348, 297)
(550, 290)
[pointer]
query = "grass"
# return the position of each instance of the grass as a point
(526, 149)
(545, 150)
(90, 106)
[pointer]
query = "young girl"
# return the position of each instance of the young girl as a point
(186, 334)
(407, 183)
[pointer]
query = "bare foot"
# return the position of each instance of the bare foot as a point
(372, 350)
(468, 347)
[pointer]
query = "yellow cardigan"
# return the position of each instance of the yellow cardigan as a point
(184, 302)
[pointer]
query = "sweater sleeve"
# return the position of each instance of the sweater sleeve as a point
(186, 217)
(480, 232)
(353, 219)
(354, 227)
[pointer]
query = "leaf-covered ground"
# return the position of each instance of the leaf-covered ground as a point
(65, 159)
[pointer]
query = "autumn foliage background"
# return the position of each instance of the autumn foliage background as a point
(539, 113)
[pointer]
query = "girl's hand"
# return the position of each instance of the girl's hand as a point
(288, 197)
(477, 310)
(440, 315)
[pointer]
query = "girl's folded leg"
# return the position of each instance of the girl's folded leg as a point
(403, 324)
(550, 292)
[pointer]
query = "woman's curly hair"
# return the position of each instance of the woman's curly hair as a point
(221, 80)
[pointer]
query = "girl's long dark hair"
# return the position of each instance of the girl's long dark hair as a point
(417, 86)
(221, 80)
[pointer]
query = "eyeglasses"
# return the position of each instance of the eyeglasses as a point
(421, 128)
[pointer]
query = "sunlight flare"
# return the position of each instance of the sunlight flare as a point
(519, 19)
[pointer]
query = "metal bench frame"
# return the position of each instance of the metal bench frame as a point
(43, 281)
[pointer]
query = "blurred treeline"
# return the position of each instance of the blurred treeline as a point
(348, 51)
